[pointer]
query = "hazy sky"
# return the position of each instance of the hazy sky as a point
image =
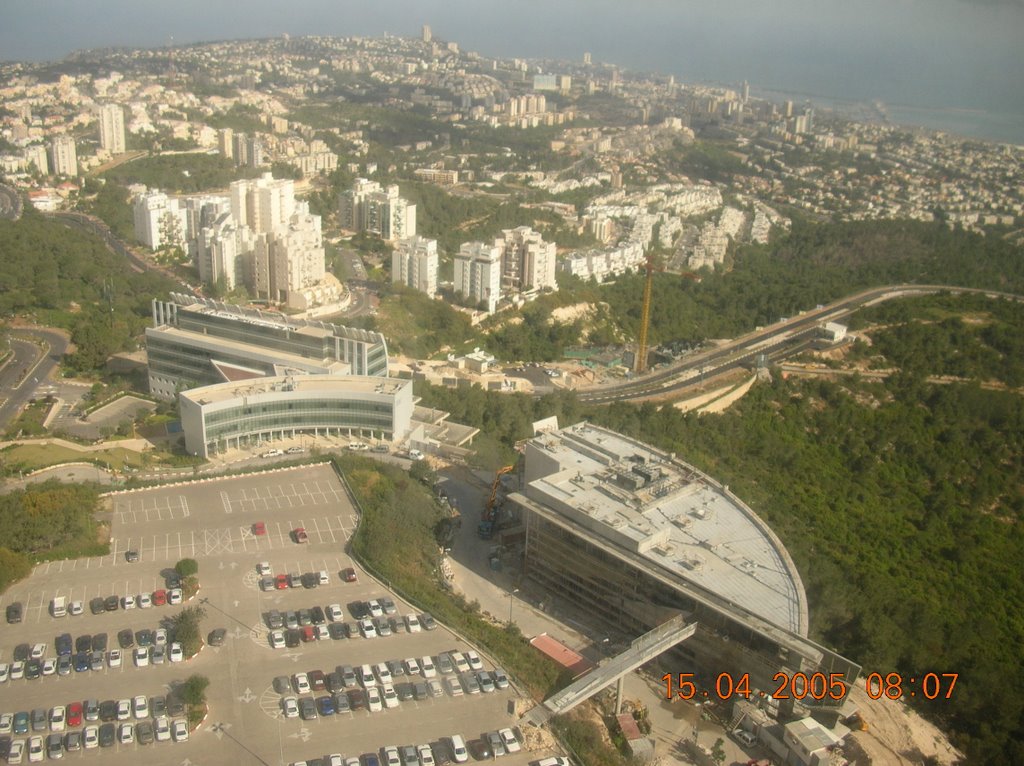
(936, 53)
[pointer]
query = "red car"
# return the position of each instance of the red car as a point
(308, 634)
(159, 597)
(281, 582)
(300, 535)
(348, 575)
(75, 714)
(259, 528)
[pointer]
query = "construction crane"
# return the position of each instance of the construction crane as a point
(645, 315)
(488, 517)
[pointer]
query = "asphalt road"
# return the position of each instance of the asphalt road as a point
(20, 378)
(10, 203)
(777, 341)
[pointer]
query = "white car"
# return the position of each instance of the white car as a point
(145, 601)
(263, 568)
(322, 633)
(290, 707)
(124, 710)
(412, 622)
(415, 454)
(126, 734)
(412, 666)
(161, 728)
(509, 740)
(387, 691)
(114, 658)
(58, 718)
(91, 737)
(141, 656)
(6, 722)
(383, 673)
(17, 751)
(17, 670)
(49, 666)
(160, 637)
(460, 662)
(174, 596)
(459, 752)
(277, 639)
(428, 667)
(180, 730)
(391, 756)
(323, 577)
(365, 675)
(301, 681)
(35, 749)
(366, 627)
(141, 706)
(334, 613)
(474, 660)
(374, 608)
(75, 608)
(128, 602)
(176, 653)
(5, 672)
(426, 755)
(373, 700)
(38, 650)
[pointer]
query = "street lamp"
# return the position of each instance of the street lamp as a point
(511, 595)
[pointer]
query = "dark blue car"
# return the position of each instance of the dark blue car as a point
(325, 705)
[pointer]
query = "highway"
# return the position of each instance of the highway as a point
(777, 341)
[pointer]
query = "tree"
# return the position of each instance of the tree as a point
(187, 567)
(184, 628)
(717, 751)
(193, 691)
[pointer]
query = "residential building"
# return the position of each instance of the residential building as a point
(528, 262)
(414, 264)
(160, 221)
(478, 273)
(381, 211)
(111, 120)
(64, 156)
(226, 143)
(199, 342)
(231, 415)
(36, 155)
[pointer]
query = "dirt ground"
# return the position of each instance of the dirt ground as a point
(896, 735)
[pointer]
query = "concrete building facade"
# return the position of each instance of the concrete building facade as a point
(478, 273)
(414, 264)
(64, 156)
(382, 211)
(111, 121)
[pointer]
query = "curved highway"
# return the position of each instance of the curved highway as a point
(28, 366)
(777, 341)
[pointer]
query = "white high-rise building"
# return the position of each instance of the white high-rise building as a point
(263, 204)
(478, 273)
(111, 120)
(528, 262)
(414, 264)
(36, 155)
(382, 211)
(63, 156)
(159, 220)
(290, 258)
(222, 251)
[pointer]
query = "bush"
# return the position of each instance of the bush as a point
(187, 568)
(184, 628)
(193, 691)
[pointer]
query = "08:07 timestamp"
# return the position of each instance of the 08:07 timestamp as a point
(817, 686)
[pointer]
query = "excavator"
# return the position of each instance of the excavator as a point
(489, 515)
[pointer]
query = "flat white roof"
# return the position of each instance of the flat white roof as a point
(670, 514)
(300, 384)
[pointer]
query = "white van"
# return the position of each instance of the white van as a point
(59, 606)
(459, 752)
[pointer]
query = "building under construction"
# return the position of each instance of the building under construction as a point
(632, 537)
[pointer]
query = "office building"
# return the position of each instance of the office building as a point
(627, 537)
(478, 273)
(414, 264)
(234, 415)
(111, 120)
(63, 156)
(199, 342)
(382, 211)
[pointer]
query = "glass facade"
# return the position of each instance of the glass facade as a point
(299, 415)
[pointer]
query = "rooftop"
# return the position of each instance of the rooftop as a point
(670, 515)
(307, 385)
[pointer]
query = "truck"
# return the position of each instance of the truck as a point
(59, 606)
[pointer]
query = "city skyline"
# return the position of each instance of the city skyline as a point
(949, 54)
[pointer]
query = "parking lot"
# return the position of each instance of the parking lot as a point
(216, 522)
